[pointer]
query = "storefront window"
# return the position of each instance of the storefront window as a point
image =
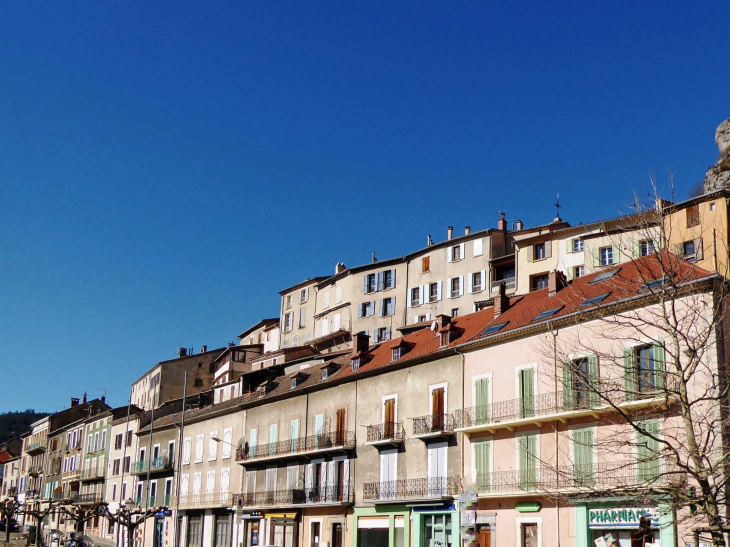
(626, 538)
(437, 531)
(195, 531)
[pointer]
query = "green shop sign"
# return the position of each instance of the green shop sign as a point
(624, 517)
(528, 507)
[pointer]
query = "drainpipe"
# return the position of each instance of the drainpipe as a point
(555, 428)
(176, 537)
(124, 455)
(463, 402)
(149, 467)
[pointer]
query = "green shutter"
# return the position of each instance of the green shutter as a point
(659, 365)
(528, 462)
(596, 257)
(567, 386)
(616, 255)
(481, 389)
(583, 456)
(636, 249)
(481, 465)
(569, 245)
(649, 462)
(593, 380)
(629, 374)
(527, 390)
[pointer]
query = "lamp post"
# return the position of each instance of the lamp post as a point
(8, 508)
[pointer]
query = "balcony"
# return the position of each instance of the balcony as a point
(433, 426)
(155, 465)
(71, 473)
(510, 283)
(36, 447)
(547, 407)
(608, 477)
(35, 470)
(387, 434)
(88, 499)
(153, 501)
(65, 495)
(332, 495)
(293, 448)
(205, 501)
(434, 489)
(92, 473)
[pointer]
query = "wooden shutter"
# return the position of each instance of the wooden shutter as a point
(380, 308)
(448, 287)
(659, 365)
(365, 284)
(438, 291)
(425, 264)
(471, 283)
(596, 257)
(699, 253)
(568, 385)
(380, 285)
(462, 254)
(647, 451)
(630, 386)
(527, 390)
(548, 249)
(461, 285)
(484, 280)
(482, 466)
(593, 379)
(389, 411)
(530, 253)
(616, 254)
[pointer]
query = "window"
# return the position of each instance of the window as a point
(222, 530)
(366, 309)
(369, 284)
(288, 321)
(213, 446)
(577, 245)
(387, 306)
(580, 383)
(595, 300)
(389, 279)
(538, 282)
(583, 460)
(338, 295)
(482, 466)
(603, 276)
(127, 463)
(712, 206)
(325, 373)
(579, 271)
(415, 296)
(288, 301)
(643, 370)
(693, 215)
(303, 295)
(115, 466)
(302, 317)
(396, 354)
(607, 256)
(326, 300)
(114, 492)
(691, 250)
(118, 441)
(494, 328)
(548, 313)
(199, 448)
(425, 264)
(186, 450)
(198, 382)
(527, 449)
(456, 253)
(455, 286)
(356, 363)
(454, 312)
(648, 450)
(539, 251)
(382, 334)
(294, 382)
(646, 247)
(444, 339)
(422, 318)
(195, 529)
(477, 281)
(434, 292)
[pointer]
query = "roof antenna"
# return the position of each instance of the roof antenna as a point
(557, 209)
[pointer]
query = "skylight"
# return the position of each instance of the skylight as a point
(548, 313)
(595, 300)
(495, 328)
(655, 284)
(604, 275)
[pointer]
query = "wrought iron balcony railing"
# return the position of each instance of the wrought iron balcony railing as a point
(37, 446)
(92, 473)
(388, 432)
(411, 489)
(153, 465)
(509, 284)
(35, 470)
(64, 495)
(203, 501)
(71, 473)
(295, 447)
(607, 476)
(86, 499)
(434, 424)
(330, 494)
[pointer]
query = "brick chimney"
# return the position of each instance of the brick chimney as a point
(467, 230)
(449, 232)
(74, 401)
(83, 400)
(501, 301)
(339, 267)
(519, 225)
(360, 343)
(442, 320)
(103, 398)
(374, 259)
(556, 281)
(203, 349)
(182, 352)
(502, 222)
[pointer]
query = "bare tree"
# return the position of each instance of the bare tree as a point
(650, 368)
(130, 519)
(8, 510)
(38, 513)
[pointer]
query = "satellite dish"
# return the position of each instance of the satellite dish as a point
(433, 326)
(241, 442)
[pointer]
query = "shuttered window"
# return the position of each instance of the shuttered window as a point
(481, 400)
(526, 380)
(647, 453)
(482, 466)
(583, 457)
(528, 461)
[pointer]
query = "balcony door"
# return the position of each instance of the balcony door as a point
(437, 408)
(388, 463)
(388, 418)
(526, 381)
(270, 483)
(437, 469)
(340, 427)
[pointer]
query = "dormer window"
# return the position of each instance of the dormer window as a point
(396, 354)
(294, 382)
(444, 339)
(356, 363)
(325, 373)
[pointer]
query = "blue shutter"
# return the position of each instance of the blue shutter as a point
(392, 279)
(365, 285)
(379, 286)
(380, 308)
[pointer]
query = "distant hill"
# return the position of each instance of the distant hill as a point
(13, 424)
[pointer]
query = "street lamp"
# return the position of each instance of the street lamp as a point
(129, 505)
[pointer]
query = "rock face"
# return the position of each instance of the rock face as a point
(718, 176)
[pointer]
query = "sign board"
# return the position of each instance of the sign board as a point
(468, 519)
(528, 507)
(620, 517)
(467, 499)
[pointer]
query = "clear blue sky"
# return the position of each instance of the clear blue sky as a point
(167, 167)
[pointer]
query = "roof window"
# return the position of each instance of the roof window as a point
(595, 300)
(603, 276)
(548, 313)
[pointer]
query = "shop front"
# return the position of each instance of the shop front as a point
(436, 525)
(382, 526)
(253, 529)
(616, 524)
(282, 529)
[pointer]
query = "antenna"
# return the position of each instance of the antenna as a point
(557, 206)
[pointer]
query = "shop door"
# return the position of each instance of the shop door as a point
(484, 538)
(529, 535)
(159, 535)
(252, 536)
(437, 531)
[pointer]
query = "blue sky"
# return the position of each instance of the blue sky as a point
(167, 167)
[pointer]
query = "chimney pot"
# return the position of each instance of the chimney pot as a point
(374, 259)
(501, 301)
(103, 398)
(502, 223)
(442, 320)
(556, 281)
(467, 230)
(340, 267)
(449, 232)
(361, 343)
(429, 241)
(519, 225)
(182, 352)
(83, 400)
(203, 349)
(74, 401)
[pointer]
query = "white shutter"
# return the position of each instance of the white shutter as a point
(450, 252)
(461, 250)
(210, 482)
(197, 478)
(326, 299)
(323, 481)
(346, 480)
(227, 438)
(253, 434)
(331, 475)
(309, 478)
(409, 304)
(448, 287)
(461, 285)
(424, 294)
(470, 280)
(415, 319)
(187, 442)
(428, 316)
(225, 480)
(199, 447)
(477, 247)
(484, 280)
(184, 484)
(338, 295)
(212, 445)
(336, 323)
(438, 290)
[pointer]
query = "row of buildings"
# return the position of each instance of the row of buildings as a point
(505, 366)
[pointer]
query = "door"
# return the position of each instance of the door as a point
(484, 539)
(314, 534)
(337, 535)
(527, 392)
(159, 536)
(437, 469)
(481, 400)
(340, 427)
(437, 531)
(437, 409)
(389, 419)
(388, 473)
(529, 535)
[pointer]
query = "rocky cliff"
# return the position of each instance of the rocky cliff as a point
(718, 176)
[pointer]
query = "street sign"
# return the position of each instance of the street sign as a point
(467, 498)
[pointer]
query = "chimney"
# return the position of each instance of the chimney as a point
(203, 349)
(74, 401)
(339, 267)
(519, 225)
(360, 343)
(502, 223)
(103, 398)
(83, 400)
(374, 259)
(467, 230)
(182, 352)
(450, 232)
(442, 320)
(501, 301)
(429, 241)
(556, 281)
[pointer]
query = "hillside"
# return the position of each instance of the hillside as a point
(13, 424)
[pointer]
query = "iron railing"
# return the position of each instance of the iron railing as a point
(71, 473)
(95, 472)
(404, 489)
(37, 446)
(600, 476)
(388, 431)
(202, 501)
(65, 495)
(434, 423)
(153, 465)
(84, 499)
(293, 447)
(342, 493)
(509, 284)
(35, 470)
